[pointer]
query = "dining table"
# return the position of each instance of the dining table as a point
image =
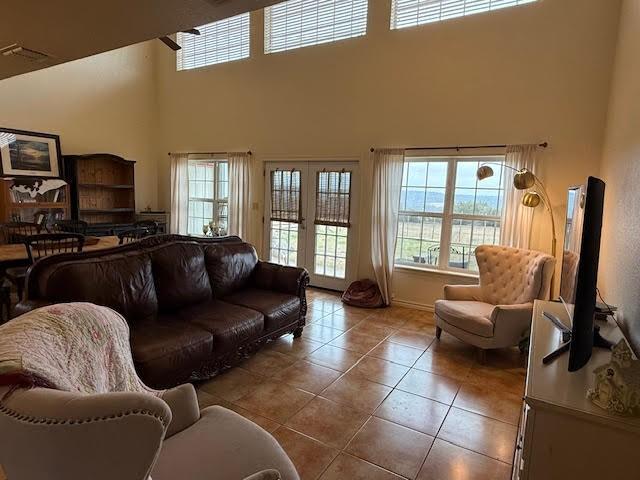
(14, 254)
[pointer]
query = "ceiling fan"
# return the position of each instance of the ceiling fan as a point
(173, 45)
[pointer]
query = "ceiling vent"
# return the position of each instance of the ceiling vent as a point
(26, 53)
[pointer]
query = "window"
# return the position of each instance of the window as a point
(222, 41)
(286, 216)
(300, 23)
(445, 212)
(208, 195)
(409, 13)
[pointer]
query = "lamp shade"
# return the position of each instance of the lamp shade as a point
(524, 179)
(484, 171)
(531, 199)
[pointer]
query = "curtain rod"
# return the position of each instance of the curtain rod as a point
(463, 147)
(207, 153)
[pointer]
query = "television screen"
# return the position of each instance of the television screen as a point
(572, 244)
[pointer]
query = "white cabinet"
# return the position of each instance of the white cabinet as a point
(562, 435)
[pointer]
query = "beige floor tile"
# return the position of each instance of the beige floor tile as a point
(329, 422)
(413, 411)
(496, 379)
(206, 399)
(314, 316)
(451, 345)
(499, 405)
(268, 362)
(426, 384)
(346, 467)
(481, 434)
(308, 376)
(296, 347)
(274, 400)
(411, 339)
(357, 392)
(379, 370)
(444, 364)
(373, 329)
(334, 357)
(268, 425)
(232, 384)
(450, 462)
(320, 333)
(386, 318)
(309, 456)
(355, 341)
(391, 446)
(421, 326)
(339, 320)
(396, 353)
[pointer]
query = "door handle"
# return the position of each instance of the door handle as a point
(303, 224)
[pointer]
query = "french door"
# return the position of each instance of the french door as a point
(311, 219)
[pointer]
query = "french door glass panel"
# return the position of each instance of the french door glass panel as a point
(323, 240)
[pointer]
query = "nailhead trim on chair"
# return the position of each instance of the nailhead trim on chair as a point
(50, 421)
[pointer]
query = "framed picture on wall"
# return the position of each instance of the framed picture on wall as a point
(29, 154)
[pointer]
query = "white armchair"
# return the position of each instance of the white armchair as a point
(125, 430)
(497, 312)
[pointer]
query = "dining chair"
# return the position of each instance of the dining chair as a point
(133, 235)
(150, 225)
(71, 226)
(16, 232)
(40, 245)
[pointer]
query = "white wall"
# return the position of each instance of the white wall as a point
(620, 256)
(519, 75)
(104, 103)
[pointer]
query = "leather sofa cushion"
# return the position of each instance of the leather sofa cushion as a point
(180, 275)
(165, 352)
(279, 309)
(230, 325)
(121, 282)
(472, 317)
(229, 266)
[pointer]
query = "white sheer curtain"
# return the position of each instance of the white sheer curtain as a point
(239, 188)
(179, 193)
(515, 230)
(387, 182)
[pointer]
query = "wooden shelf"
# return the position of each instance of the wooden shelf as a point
(106, 185)
(91, 211)
(61, 205)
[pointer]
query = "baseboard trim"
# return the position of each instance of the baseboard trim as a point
(418, 306)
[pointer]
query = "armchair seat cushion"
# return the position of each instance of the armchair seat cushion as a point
(279, 309)
(221, 445)
(471, 316)
(231, 325)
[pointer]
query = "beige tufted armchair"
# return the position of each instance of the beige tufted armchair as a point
(497, 312)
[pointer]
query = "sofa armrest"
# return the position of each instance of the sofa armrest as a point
(512, 322)
(462, 292)
(26, 306)
(271, 276)
(78, 436)
(183, 402)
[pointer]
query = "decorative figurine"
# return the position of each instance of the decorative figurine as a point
(617, 388)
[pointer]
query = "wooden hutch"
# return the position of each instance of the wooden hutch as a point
(34, 199)
(102, 191)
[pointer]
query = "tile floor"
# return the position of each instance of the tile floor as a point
(370, 394)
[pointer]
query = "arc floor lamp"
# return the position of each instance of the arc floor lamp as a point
(525, 179)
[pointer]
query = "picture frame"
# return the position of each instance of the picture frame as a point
(29, 154)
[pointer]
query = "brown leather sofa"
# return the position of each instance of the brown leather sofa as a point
(194, 306)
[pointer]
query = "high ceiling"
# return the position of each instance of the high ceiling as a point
(66, 30)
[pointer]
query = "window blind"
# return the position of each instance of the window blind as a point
(333, 198)
(222, 41)
(409, 13)
(300, 23)
(285, 196)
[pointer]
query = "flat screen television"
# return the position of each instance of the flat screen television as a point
(581, 251)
